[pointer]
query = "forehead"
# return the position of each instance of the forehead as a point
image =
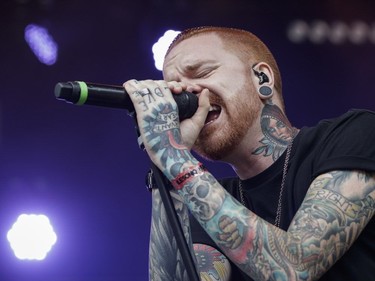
(204, 40)
(191, 50)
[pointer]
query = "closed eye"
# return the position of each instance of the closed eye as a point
(206, 72)
(203, 74)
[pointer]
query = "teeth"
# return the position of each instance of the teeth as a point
(214, 108)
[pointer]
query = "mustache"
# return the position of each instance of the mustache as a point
(216, 100)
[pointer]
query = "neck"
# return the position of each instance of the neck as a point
(247, 165)
(263, 144)
(250, 159)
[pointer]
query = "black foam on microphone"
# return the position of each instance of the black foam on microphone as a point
(81, 93)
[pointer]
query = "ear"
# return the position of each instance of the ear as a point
(263, 80)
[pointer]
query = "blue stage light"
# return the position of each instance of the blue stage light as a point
(41, 43)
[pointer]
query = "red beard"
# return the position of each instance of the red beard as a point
(215, 143)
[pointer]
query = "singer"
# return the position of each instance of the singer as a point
(302, 206)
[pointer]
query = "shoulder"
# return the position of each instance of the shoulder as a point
(361, 117)
(348, 124)
(347, 143)
(346, 140)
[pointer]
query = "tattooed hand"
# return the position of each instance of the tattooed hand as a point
(165, 139)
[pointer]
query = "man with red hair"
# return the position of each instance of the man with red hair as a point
(302, 205)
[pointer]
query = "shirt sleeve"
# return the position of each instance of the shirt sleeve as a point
(348, 144)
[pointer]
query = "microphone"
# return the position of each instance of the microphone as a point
(81, 93)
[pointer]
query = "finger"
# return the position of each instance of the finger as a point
(131, 86)
(176, 87)
(139, 94)
(203, 107)
(161, 89)
(157, 91)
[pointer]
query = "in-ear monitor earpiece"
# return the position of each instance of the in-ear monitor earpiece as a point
(263, 78)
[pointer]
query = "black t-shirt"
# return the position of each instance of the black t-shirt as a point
(344, 143)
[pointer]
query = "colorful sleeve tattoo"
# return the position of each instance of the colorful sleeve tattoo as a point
(165, 262)
(326, 225)
(337, 207)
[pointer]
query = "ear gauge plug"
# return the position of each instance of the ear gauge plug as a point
(265, 92)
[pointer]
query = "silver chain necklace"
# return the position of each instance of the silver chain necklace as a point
(285, 171)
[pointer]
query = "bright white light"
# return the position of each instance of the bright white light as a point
(160, 48)
(31, 237)
(41, 43)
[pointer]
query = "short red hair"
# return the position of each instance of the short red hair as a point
(242, 43)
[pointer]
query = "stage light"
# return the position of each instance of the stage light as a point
(372, 33)
(161, 46)
(297, 31)
(319, 32)
(338, 32)
(41, 43)
(358, 32)
(31, 237)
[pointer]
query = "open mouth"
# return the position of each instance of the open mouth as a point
(213, 114)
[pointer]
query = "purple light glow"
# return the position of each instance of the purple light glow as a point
(41, 43)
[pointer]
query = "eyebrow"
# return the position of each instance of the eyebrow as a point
(191, 67)
(194, 66)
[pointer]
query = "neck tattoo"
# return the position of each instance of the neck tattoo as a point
(279, 202)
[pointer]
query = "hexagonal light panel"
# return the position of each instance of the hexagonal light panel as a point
(31, 237)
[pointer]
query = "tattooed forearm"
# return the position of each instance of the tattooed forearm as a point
(161, 130)
(165, 261)
(213, 265)
(205, 198)
(331, 218)
(327, 224)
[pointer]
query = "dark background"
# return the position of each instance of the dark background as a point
(81, 166)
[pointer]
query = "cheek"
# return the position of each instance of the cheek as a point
(243, 107)
(231, 81)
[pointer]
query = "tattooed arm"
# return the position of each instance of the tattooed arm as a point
(212, 264)
(165, 262)
(336, 209)
(337, 206)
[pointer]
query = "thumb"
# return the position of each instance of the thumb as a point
(203, 108)
(190, 128)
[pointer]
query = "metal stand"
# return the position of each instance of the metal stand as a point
(166, 198)
(175, 224)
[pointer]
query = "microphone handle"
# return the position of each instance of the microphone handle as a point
(81, 93)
